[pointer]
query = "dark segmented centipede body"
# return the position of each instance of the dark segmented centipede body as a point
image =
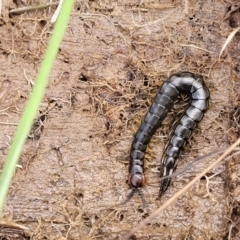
(184, 82)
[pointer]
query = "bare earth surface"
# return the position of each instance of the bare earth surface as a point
(114, 56)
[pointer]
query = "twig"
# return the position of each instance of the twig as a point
(194, 46)
(179, 193)
(13, 225)
(7, 123)
(56, 13)
(0, 6)
(148, 23)
(99, 85)
(186, 7)
(31, 8)
(230, 37)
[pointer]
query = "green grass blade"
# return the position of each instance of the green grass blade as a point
(34, 101)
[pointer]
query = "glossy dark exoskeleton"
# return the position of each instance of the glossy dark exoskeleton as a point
(184, 82)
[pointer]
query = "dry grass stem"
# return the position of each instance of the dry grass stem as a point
(194, 46)
(56, 13)
(229, 39)
(7, 123)
(148, 23)
(14, 225)
(31, 8)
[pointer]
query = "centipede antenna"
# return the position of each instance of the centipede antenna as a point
(140, 194)
(129, 196)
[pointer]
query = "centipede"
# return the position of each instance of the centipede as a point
(181, 83)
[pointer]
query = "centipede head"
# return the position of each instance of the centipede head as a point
(136, 180)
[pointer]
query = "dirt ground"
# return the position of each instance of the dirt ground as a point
(114, 56)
